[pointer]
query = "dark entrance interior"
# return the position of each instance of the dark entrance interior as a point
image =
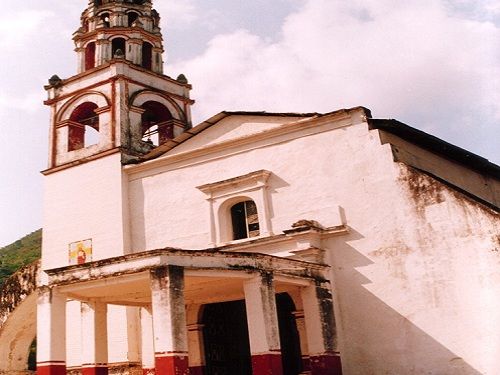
(289, 336)
(227, 347)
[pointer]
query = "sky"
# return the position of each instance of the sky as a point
(432, 64)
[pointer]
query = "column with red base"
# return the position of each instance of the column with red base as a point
(147, 342)
(94, 338)
(169, 321)
(51, 332)
(260, 301)
(324, 357)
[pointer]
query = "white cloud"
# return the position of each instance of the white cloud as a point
(178, 13)
(18, 26)
(409, 59)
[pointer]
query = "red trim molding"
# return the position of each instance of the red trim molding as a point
(170, 365)
(327, 364)
(267, 364)
(51, 369)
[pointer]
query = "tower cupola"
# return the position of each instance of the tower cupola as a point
(127, 29)
(119, 101)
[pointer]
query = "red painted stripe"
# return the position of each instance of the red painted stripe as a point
(267, 364)
(51, 369)
(173, 365)
(327, 364)
(95, 371)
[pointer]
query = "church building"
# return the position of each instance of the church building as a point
(252, 243)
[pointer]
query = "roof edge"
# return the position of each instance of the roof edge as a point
(437, 146)
(188, 134)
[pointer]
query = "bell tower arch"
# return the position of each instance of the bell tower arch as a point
(119, 47)
(116, 109)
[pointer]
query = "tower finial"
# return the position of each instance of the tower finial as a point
(129, 25)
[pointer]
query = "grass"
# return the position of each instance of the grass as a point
(19, 254)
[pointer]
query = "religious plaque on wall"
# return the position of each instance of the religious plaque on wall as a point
(80, 252)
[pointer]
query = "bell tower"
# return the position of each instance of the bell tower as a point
(114, 111)
(120, 98)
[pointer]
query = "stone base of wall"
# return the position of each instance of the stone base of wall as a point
(114, 369)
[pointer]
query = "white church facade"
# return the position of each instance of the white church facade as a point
(253, 243)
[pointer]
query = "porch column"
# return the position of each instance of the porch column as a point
(147, 342)
(321, 331)
(304, 348)
(260, 301)
(169, 321)
(94, 338)
(51, 332)
(196, 352)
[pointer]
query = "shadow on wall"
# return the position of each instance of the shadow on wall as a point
(375, 339)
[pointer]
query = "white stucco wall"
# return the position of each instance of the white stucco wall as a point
(415, 279)
(84, 202)
(167, 209)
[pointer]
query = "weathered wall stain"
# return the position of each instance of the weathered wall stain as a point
(423, 190)
(426, 190)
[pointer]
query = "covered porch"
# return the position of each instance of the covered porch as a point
(201, 312)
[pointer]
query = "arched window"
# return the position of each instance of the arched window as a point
(147, 55)
(90, 56)
(132, 17)
(118, 44)
(245, 220)
(157, 126)
(106, 20)
(84, 127)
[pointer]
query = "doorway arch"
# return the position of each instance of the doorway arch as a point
(226, 340)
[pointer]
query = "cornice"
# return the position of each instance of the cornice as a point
(341, 118)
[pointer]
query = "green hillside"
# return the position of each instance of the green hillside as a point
(19, 254)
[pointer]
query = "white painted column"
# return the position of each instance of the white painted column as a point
(147, 342)
(94, 338)
(51, 332)
(169, 321)
(157, 60)
(103, 51)
(134, 334)
(134, 51)
(260, 301)
(265, 213)
(319, 318)
(80, 53)
(212, 221)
